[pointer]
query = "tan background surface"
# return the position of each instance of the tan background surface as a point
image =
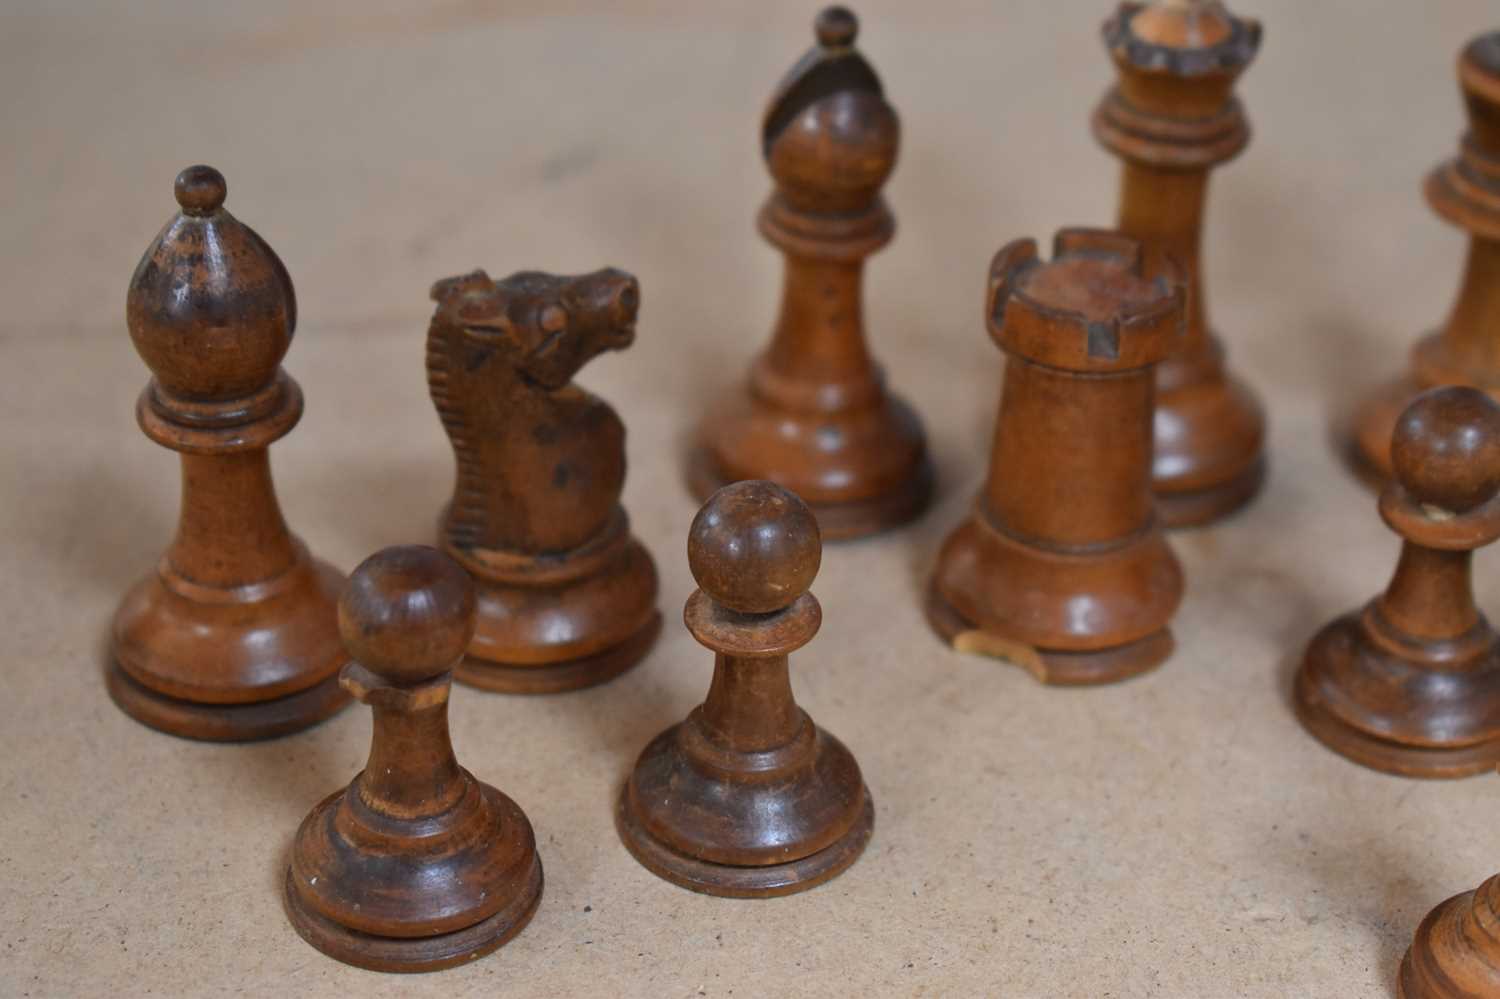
(1178, 835)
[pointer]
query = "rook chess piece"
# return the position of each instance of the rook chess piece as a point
(1456, 951)
(747, 797)
(815, 415)
(233, 634)
(567, 596)
(1466, 192)
(416, 865)
(1061, 567)
(1171, 119)
(1411, 683)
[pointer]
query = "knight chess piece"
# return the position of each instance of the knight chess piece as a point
(233, 635)
(1061, 567)
(747, 797)
(1466, 192)
(815, 415)
(416, 865)
(567, 596)
(1456, 951)
(1171, 119)
(1410, 684)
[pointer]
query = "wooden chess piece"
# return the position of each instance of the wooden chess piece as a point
(815, 415)
(416, 865)
(1061, 567)
(1410, 684)
(748, 797)
(1456, 951)
(1171, 119)
(567, 595)
(1466, 192)
(233, 635)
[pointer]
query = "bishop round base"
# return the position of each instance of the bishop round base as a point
(1198, 507)
(555, 678)
(1050, 666)
(730, 881)
(836, 521)
(243, 722)
(1390, 757)
(413, 954)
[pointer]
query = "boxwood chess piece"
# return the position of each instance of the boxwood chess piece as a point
(815, 415)
(416, 865)
(1456, 951)
(748, 797)
(232, 636)
(567, 595)
(1410, 684)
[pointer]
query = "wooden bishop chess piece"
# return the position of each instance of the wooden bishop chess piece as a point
(1410, 684)
(232, 636)
(1171, 119)
(748, 797)
(1466, 192)
(1456, 951)
(815, 415)
(1061, 567)
(567, 596)
(416, 865)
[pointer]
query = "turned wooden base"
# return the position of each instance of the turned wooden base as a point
(1050, 666)
(226, 722)
(558, 677)
(731, 881)
(1456, 951)
(1373, 424)
(1208, 456)
(413, 954)
(836, 521)
(1200, 507)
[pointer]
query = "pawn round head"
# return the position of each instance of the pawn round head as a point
(754, 547)
(1446, 449)
(407, 613)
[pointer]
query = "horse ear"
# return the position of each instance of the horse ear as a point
(448, 288)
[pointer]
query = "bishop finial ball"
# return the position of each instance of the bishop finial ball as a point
(836, 27)
(407, 613)
(1446, 448)
(200, 190)
(754, 547)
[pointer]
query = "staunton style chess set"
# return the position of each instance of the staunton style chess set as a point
(1118, 418)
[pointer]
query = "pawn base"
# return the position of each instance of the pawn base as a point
(1455, 951)
(242, 722)
(413, 954)
(730, 881)
(1054, 667)
(836, 521)
(558, 677)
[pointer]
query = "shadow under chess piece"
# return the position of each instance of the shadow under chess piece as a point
(416, 865)
(1466, 192)
(233, 635)
(747, 797)
(1172, 119)
(1456, 951)
(1411, 683)
(815, 415)
(1061, 567)
(567, 596)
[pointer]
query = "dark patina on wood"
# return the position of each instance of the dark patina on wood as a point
(416, 865)
(815, 415)
(232, 636)
(567, 595)
(748, 797)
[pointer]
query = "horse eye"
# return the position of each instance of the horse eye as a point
(554, 318)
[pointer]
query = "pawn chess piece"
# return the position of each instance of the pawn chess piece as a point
(747, 797)
(1456, 951)
(815, 415)
(1411, 684)
(1466, 192)
(1171, 119)
(1061, 567)
(233, 635)
(567, 596)
(416, 865)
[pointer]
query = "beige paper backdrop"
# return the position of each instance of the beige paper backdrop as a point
(1177, 835)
